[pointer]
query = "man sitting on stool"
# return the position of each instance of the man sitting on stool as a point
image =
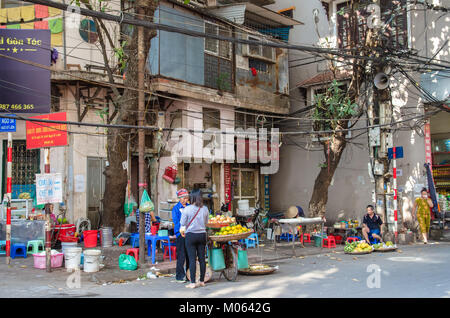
(372, 225)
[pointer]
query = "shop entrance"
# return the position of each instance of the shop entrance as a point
(245, 186)
(95, 188)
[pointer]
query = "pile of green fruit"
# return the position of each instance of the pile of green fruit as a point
(357, 247)
(388, 244)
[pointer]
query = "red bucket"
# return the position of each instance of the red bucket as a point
(154, 228)
(90, 238)
(65, 229)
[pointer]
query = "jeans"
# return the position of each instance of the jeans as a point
(181, 258)
(196, 247)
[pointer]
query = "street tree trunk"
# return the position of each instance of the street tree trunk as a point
(115, 175)
(333, 152)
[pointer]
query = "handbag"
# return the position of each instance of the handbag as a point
(184, 232)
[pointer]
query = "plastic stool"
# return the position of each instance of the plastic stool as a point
(134, 240)
(36, 246)
(173, 251)
(306, 238)
(2, 247)
(338, 239)
(329, 242)
(252, 240)
(352, 239)
(135, 252)
(286, 237)
(18, 250)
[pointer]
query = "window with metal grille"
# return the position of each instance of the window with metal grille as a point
(218, 59)
(393, 14)
(258, 65)
(211, 119)
(244, 121)
(25, 165)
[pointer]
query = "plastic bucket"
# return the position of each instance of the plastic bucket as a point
(106, 237)
(163, 233)
(66, 245)
(242, 259)
(72, 258)
(217, 261)
(154, 229)
(90, 238)
(318, 240)
(91, 261)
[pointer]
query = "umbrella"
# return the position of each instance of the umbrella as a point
(432, 190)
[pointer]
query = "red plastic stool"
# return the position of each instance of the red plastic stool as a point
(135, 252)
(329, 242)
(173, 251)
(338, 239)
(352, 239)
(305, 238)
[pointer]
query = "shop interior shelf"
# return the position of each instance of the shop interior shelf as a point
(442, 153)
(441, 166)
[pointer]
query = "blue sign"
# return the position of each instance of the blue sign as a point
(24, 74)
(398, 153)
(7, 125)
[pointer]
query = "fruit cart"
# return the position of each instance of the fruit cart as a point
(220, 239)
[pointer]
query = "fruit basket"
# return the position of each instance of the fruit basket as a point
(230, 237)
(217, 225)
(358, 248)
(383, 248)
(258, 269)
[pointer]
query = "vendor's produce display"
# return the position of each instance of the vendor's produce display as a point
(385, 247)
(235, 229)
(360, 247)
(220, 220)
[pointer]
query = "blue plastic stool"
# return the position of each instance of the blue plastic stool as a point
(252, 240)
(18, 250)
(2, 247)
(134, 240)
(287, 237)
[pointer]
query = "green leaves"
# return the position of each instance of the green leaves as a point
(120, 54)
(332, 106)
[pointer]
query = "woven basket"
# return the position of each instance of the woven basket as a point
(217, 225)
(230, 237)
(384, 250)
(247, 271)
(359, 253)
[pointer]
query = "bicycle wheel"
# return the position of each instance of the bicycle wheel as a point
(230, 272)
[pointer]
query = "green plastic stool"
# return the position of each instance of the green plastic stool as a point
(35, 246)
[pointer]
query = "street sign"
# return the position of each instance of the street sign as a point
(7, 125)
(48, 188)
(25, 88)
(398, 153)
(43, 135)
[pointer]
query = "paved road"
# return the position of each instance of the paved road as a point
(418, 271)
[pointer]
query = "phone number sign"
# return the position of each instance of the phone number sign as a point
(24, 71)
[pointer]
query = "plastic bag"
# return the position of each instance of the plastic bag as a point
(127, 262)
(129, 205)
(146, 204)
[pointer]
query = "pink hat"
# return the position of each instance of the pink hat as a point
(182, 193)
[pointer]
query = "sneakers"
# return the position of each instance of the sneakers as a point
(181, 281)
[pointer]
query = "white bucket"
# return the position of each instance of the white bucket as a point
(91, 261)
(72, 258)
(66, 245)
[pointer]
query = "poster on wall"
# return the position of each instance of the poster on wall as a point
(42, 135)
(48, 188)
(24, 76)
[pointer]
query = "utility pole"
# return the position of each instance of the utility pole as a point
(380, 139)
(8, 198)
(141, 135)
(48, 225)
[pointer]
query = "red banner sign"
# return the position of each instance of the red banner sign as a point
(227, 177)
(428, 150)
(42, 135)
